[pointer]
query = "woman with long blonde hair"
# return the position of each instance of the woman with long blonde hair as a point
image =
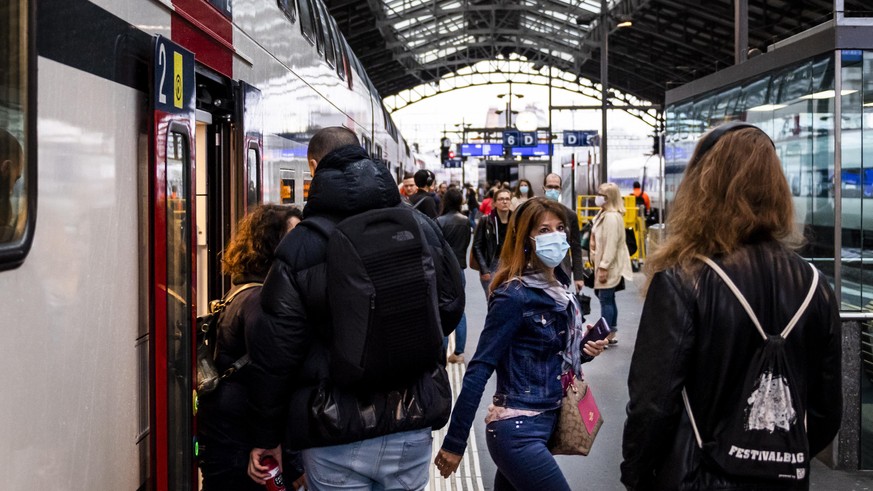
(609, 253)
(531, 317)
(697, 344)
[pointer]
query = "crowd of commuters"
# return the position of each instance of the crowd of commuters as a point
(693, 333)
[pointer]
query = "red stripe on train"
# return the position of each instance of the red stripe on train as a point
(203, 30)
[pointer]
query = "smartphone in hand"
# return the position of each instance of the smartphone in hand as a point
(598, 331)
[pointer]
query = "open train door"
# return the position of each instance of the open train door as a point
(252, 133)
(171, 268)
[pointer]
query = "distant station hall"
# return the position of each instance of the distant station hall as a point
(252, 241)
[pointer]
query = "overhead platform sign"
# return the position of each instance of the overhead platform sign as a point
(583, 138)
(513, 138)
(496, 150)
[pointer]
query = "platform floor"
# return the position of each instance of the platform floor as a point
(608, 376)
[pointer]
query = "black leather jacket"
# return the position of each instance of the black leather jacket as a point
(486, 246)
(694, 333)
(292, 394)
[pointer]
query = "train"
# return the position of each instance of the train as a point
(138, 132)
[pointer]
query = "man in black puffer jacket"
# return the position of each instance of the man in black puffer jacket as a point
(376, 438)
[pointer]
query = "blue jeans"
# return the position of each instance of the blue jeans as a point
(399, 461)
(460, 329)
(608, 308)
(518, 448)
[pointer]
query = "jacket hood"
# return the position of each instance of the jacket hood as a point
(348, 182)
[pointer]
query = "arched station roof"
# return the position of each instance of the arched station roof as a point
(405, 43)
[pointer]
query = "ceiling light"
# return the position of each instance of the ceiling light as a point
(827, 94)
(767, 107)
(625, 22)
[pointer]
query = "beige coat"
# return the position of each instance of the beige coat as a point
(609, 250)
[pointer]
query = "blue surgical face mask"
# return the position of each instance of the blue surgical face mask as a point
(551, 248)
(553, 194)
(523, 189)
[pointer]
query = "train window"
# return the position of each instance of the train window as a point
(329, 53)
(319, 31)
(347, 61)
(287, 195)
(17, 133)
(337, 50)
(306, 183)
(253, 191)
(307, 20)
(289, 9)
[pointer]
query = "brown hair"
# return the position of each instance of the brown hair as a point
(251, 250)
(741, 174)
(518, 253)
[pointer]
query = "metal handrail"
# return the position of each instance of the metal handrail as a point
(856, 316)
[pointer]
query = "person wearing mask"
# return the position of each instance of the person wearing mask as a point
(609, 253)
(575, 262)
(489, 237)
(697, 340)
(530, 318)
(221, 427)
(456, 230)
(522, 193)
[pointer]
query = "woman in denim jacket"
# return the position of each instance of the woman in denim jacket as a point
(530, 317)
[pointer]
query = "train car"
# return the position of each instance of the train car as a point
(150, 127)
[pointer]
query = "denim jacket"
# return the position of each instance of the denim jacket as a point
(524, 333)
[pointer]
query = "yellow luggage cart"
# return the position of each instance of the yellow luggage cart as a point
(586, 210)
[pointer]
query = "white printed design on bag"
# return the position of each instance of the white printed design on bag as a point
(770, 405)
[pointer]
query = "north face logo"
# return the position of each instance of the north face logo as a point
(403, 236)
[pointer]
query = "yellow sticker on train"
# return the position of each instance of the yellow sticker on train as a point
(178, 81)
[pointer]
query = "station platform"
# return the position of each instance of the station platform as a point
(608, 377)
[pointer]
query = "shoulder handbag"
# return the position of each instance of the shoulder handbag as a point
(579, 421)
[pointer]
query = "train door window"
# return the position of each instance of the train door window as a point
(178, 308)
(307, 20)
(288, 8)
(379, 152)
(253, 178)
(17, 130)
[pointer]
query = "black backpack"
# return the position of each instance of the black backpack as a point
(765, 436)
(382, 295)
(208, 377)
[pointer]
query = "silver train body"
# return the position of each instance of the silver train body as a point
(134, 205)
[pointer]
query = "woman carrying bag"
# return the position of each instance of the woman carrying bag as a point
(530, 318)
(609, 253)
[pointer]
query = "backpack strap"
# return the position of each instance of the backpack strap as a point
(742, 299)
(415, 206)
(244, 359)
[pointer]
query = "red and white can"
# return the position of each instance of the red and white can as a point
(275, 482)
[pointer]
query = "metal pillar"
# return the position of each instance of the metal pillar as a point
(838, 175)
(741, 31)
(604, 82)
